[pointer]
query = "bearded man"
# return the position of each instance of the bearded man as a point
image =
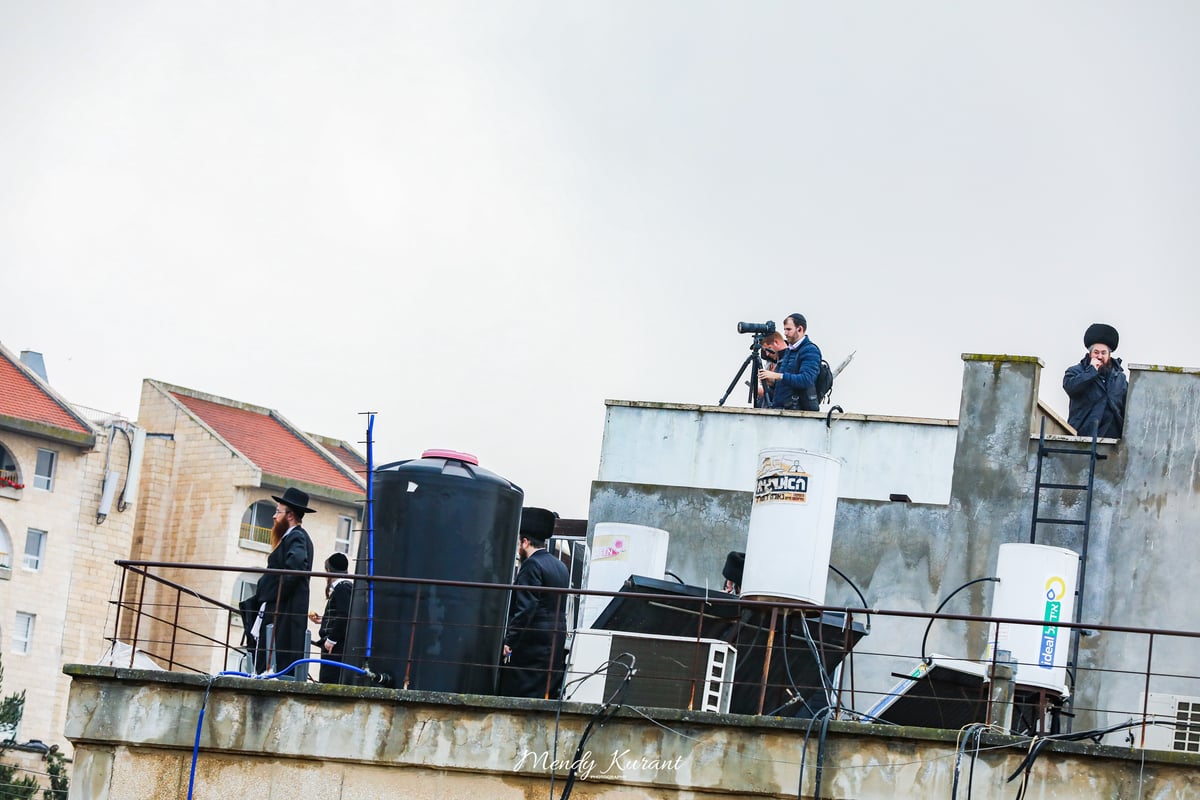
(1097, 385)
(534, 645)
(284, 598)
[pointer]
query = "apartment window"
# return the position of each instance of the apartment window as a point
(43, 473)
(345, 535)
(22, 641)
(35, 549)
(5, 549)
(8, 470)
(243, 589)
(257, 521)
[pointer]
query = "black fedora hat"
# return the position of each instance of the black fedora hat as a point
(337, 563)
(295, 498)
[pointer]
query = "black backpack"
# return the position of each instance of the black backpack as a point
(824, 382)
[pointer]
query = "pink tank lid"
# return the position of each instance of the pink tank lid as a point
(452, 454)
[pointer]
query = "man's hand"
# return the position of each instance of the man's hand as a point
(1095, 363)
(315, 617)
(768, 375)
(507, 653)
(328, 646)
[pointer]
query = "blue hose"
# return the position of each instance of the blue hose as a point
(235, 673)
(370, 536)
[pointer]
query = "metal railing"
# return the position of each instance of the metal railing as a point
(255, 533)
(792, 659)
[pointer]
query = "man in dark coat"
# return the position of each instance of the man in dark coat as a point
(338, 594)
(284, 598)
(794, 381)
(537, 621)
(1097, 386)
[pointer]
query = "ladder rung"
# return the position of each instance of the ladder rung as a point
(1042, 520)
(1068, 451)
(1079, 486)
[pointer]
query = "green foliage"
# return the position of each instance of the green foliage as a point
(13, 787)
(60, 781)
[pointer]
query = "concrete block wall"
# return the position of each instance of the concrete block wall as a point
(1143, 553)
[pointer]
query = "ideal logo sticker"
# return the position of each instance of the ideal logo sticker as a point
(1056, 587)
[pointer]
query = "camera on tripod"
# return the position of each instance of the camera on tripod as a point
(758, 328)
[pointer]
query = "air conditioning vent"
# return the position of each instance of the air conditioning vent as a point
(672, 672)
(1172, 722)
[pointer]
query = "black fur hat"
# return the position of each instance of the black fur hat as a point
(537, 524)
(1104, 334)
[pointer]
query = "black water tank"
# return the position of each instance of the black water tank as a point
(440, 516)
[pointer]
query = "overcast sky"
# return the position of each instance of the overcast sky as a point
(482, 219)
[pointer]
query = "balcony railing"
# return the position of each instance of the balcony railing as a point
(256, 533)
(792, 659)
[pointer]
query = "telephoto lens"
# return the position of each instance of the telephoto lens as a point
(757, 327)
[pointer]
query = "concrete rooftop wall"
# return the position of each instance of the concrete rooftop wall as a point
(133, 735)
(1142, 553)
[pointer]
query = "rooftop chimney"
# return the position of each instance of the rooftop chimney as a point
(35, 362)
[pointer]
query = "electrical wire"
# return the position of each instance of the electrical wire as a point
(942, 605)
(602, 716)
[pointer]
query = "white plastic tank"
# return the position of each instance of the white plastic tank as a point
(619, 550)
(791, 525)
(1037, 582)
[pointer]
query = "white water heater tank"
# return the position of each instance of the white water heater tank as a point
(619, 550)
(791, 525)
(1037, 583)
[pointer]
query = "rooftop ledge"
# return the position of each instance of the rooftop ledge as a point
(778, 412)
(486, 704)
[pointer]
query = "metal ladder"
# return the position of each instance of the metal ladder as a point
(1085, 523)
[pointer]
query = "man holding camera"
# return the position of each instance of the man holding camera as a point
(794, 385)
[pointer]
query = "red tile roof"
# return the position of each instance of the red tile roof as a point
(350, 458)
(25, 399)
(270, 444)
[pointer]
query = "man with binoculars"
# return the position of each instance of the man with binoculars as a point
(794, 385)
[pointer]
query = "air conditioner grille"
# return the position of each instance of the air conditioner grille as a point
(1187, 727)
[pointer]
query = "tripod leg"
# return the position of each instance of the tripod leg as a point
(754, 380)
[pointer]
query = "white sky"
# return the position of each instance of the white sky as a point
(482, 219)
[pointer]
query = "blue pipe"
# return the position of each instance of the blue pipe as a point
(200, 721)
(370, 535)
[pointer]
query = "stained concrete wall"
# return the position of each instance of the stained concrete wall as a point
(1142, 550)
(133, 735)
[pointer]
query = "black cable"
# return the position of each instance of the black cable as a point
(804, 752)
(787, 668)
(121, 504)
(941, 606)
(602, 716)
(821, 752)
(856, 591)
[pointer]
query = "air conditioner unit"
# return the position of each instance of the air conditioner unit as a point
(672, 671)
(1172, 722)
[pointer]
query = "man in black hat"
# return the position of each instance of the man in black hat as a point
(338, 594)
(793, 384)
(285, 597)
(537, 621)
(1097, 386)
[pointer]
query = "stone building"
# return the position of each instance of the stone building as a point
(212, 466)
(67, 483)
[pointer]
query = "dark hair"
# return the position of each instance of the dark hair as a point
(537, 543)
(798, 320)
